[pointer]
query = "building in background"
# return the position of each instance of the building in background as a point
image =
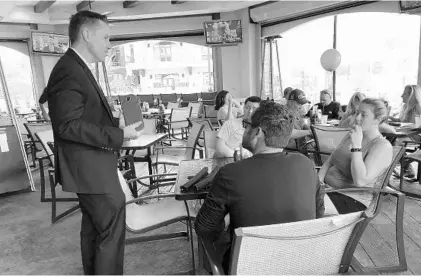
(160, 67)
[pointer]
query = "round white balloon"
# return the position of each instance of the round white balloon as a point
(330, 59)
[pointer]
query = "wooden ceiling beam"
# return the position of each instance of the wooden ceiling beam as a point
(42, 6)
(84, 5)
(130, 4)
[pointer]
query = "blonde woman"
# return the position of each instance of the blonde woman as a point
(349, 117)
(352, 108)
(361, 159)
(411, 98)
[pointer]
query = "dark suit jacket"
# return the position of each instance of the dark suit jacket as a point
(86, 136)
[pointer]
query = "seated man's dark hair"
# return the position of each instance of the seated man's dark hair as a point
(276, 122)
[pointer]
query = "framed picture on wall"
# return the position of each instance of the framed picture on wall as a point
(409, 6)
(49, 43)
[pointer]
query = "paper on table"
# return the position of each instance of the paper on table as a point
(4, 147)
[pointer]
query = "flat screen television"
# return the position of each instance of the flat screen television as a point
(48, 43)
(226, 32)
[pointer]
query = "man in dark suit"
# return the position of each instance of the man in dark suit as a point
(87, 139)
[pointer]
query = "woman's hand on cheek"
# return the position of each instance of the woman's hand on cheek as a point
(356, 135)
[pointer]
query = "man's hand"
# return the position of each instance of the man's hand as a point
(130, 131)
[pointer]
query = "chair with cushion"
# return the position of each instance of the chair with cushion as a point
(210, 142)
(147, 98)
(167, 98)
(327, 139)
(38, 152)
(172, 105)
(186, 98)
(190, 149)
(208, 96)
(148, 213)
(196, 109)
(46, 139)
(375, 205)
(319, 246)
(211, 114)
(177, 123)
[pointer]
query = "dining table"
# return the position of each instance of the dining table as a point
(145, 141)
(189, 168)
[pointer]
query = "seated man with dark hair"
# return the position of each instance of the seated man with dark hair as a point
(231, 133)
(270, 187)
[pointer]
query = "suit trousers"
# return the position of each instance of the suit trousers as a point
(102, 234)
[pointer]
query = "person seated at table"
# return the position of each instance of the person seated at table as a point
(342, 111)
(231, 133)
(360, 160)
(296, 99)
(411, 98)
(351, 110)
(227, 107)
(271, 187)
(284, 100)
(328, 107)
(349, 118)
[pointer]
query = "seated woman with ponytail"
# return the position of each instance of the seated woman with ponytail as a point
(361, 159)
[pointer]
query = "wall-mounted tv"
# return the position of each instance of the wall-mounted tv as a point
(48, 43)
(228, 32)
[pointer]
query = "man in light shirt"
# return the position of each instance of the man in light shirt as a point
(230, 135)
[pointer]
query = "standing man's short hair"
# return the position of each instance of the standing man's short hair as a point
(78, 20)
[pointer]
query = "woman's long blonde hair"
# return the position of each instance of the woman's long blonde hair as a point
(413, 107)
(351, 109)
(354, 103)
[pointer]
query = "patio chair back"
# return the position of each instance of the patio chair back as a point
(208, 96)
(45, 137)
(178, 119)
(210, 142)
(196, 109)
(171, 105)
(319, 246)
(194, 135)
(33, 128)
(327, 139)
